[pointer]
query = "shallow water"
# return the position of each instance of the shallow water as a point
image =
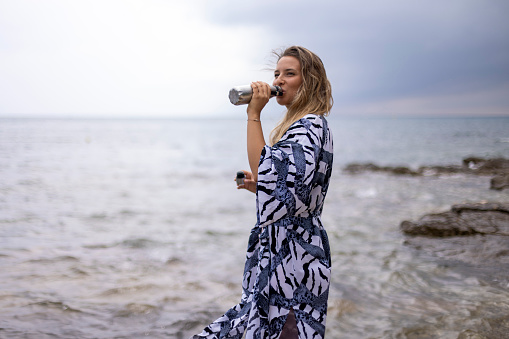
(134, 228)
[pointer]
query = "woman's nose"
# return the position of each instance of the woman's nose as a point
(278, 81)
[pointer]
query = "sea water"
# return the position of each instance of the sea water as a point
(134, 228)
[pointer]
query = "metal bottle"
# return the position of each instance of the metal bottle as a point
(240, 95)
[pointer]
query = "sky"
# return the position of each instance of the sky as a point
(163, 58)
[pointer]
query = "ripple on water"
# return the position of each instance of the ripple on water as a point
(46, 305)
(140, 243)
(137, 310)
(129, 290)
(59, 259)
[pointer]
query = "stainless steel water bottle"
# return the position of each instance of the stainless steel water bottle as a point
(240, 95)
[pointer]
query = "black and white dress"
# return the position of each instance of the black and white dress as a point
(288, 255)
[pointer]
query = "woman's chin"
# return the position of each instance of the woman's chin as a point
(281, 101)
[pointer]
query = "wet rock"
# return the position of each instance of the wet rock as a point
(470, 334)
(473, 237)
(500, 182)
(439, 170)
(497, 167)
(490, 328)
(356, 168)
(487, 166)
(463, 219)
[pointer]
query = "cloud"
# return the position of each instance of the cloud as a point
(489, 102)
(163, 58)
(378, 52)
(117, 57)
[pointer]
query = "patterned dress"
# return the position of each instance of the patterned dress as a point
(288, 256)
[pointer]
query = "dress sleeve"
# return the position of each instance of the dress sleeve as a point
(289, 172)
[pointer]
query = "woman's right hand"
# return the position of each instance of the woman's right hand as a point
(260, 98)
(249, 183)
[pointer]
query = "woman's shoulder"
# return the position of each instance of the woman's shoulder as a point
(311, 121)
(310, 126)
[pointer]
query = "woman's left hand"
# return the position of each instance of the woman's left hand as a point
(249, 183)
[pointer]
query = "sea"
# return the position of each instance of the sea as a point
(134, 228)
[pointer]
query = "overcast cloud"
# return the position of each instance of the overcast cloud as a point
(166, 58)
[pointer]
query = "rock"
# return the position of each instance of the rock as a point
(498, 167)
(469, 334)
(500, 182)
(463, 219)
(473, 237)
(400, 170)
(438, 170)
(487, 166)
(356, 168)
(490, 328)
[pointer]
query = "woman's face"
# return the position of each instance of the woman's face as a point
(288, 76)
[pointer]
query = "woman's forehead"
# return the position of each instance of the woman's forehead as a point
(288, 62)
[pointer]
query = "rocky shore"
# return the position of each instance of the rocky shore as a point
(474, 239)
(498, 168)
(471, 238)
(475, 234)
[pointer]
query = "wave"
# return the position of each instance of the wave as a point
(121, 291)
(134, 309)
(63, 258)
(134, 243)
(55, 306)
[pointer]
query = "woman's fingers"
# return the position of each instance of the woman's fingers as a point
(249, 184)
(261, 89)
(261, 95)
(248, 174)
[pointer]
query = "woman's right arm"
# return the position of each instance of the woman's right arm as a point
(255, 138)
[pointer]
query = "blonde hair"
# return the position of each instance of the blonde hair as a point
(314, 95)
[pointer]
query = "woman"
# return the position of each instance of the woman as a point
(287, 271)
